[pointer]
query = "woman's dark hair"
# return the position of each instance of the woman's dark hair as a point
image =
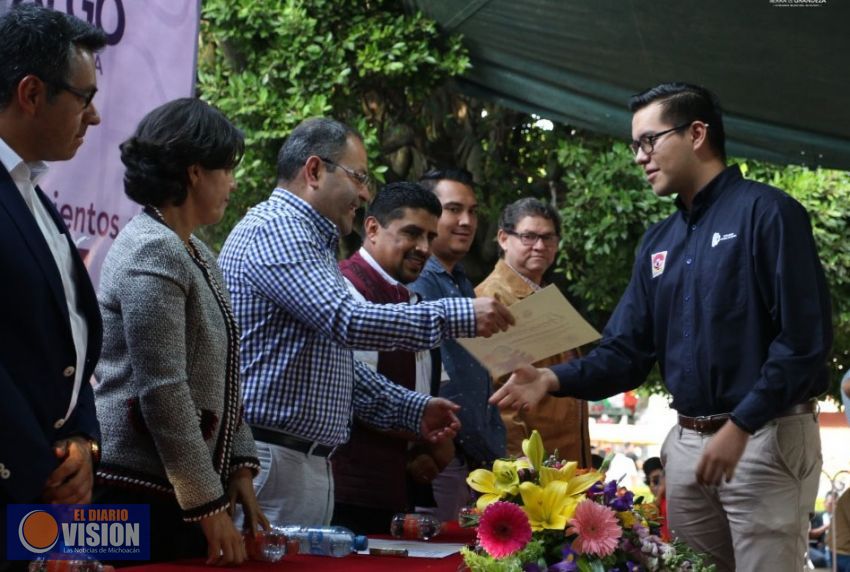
(168, 141)
(518, 210)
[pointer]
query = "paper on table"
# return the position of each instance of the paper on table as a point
(417, 549)
(546, 324)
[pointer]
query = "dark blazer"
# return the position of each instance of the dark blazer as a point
(37, 355)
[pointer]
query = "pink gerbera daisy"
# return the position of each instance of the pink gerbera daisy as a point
(596, 527)
(503, 529)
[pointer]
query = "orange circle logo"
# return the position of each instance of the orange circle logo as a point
(38, 531)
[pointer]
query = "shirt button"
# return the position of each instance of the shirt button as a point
(693, 227)
(4, 472)
(688, 260)
(59, 424)
(686, 334)
(687, 298)
(69, 371)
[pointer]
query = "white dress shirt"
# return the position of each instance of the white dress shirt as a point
(423, 359)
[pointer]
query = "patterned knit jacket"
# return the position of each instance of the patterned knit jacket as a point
(169, 399)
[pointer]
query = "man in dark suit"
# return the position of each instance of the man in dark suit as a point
(50, 326)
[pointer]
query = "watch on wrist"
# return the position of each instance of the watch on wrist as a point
(94, 448)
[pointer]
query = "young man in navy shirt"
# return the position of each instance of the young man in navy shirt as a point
(729, 297)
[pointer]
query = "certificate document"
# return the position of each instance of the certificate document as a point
(546, 324)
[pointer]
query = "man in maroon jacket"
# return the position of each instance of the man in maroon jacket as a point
(379, 473)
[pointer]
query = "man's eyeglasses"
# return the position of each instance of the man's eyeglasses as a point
(359, 177)
(655, 480)
(531, 238)
(85, 96)
(647, 142)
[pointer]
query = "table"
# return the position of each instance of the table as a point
(355, 563)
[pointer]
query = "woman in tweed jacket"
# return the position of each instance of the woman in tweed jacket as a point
(168, 397)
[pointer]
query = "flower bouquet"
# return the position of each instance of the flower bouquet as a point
(537, 514)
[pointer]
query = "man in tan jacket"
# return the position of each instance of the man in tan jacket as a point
(529, 232)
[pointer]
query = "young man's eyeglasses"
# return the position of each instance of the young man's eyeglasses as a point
(359, 177)
(531, 238)
(655, 480)
(647, 142)
(85, 96)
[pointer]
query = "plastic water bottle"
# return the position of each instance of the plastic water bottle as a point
(269, 545)
(65, 566)
(415, 526)
(334, 541)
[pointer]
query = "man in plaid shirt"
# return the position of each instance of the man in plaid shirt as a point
(300, 324)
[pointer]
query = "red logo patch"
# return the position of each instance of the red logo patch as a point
(659, 260)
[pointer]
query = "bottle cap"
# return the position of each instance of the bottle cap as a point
(360, 543)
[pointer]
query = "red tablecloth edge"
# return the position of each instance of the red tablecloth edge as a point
(451, 533)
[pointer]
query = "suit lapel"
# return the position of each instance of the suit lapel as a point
(86, 296)
(21, 216)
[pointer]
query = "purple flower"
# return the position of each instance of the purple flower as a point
(622, 502)
(531, 567)
(568, 564)
(610, 491)
(596, 490)
(631, 549)
(568, 553)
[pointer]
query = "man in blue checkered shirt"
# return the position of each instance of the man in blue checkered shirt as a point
(300, 324)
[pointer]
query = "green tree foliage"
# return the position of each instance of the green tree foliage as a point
(826, 195)
(268, 64)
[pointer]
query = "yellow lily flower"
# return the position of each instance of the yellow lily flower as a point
(548, 507)
(522, 463)
(533, 449)
(577, 483)
(507, 477)
(502, 481)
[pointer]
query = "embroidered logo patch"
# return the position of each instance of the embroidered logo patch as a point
(659, 259)
(717, 238)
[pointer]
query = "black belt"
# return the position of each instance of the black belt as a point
(275, 437)
(708, 424)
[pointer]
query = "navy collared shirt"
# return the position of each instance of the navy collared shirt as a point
(730, 299)
(482, 433)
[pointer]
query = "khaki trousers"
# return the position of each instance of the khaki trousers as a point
(292, 487)
(759, 521)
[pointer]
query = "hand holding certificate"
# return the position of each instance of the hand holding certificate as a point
(546, 324)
